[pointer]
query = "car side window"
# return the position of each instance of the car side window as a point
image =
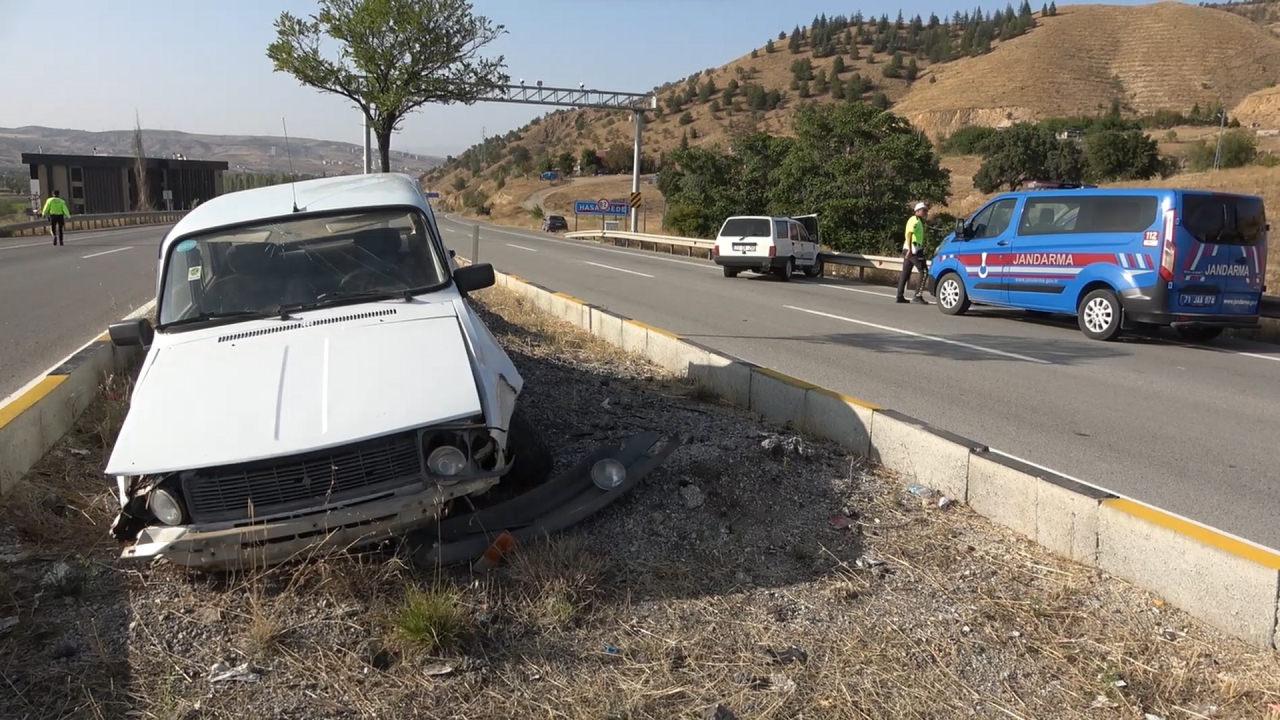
(780, 229)
(804, 234)
(795, 232)
(994, 219)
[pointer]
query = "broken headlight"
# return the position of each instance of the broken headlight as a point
(446, 461)
(165, 506)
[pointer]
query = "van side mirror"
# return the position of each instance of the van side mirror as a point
(474, 277)
(131, 333)
(962, 230)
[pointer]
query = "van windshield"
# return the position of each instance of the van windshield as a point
(746, 227)
(1224, 219)
(255, 270)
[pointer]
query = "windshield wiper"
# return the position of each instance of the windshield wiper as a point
(405, 294)
(221, 315)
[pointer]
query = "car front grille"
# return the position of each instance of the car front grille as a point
(240, 492)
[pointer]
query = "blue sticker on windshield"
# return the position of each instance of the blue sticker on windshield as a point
(186, 246)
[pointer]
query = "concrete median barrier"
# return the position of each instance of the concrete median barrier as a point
(35, 417)
(1231, 584)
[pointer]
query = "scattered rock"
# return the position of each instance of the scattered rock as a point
(868, 562)
(1170, 634)
(719, 712)
(225, 672)
(437, 669)
(78, 451)
(840, 522)
(789, 655)
(782, 684)
(65, 649)
(781, 446)
(692, 496)
(63, 579)
(945, 502)
(922, 491)
(677, 658)
(7, 623)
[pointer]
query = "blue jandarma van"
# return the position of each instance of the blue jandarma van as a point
(1112, 258)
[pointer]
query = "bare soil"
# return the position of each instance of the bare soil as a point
(736, 581)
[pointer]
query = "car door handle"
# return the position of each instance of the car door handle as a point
(1002, 243)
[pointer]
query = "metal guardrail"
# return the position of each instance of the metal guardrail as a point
(91, 222)
(1269, 307)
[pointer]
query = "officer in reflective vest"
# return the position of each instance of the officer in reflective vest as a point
(55, 208)
(913, 254)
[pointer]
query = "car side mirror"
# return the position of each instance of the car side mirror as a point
(474, 277)
(131, 333)
(962, 230)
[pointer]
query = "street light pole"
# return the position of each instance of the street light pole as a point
(638, 117)
(1222, 124)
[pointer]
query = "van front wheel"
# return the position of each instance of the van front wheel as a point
(1198, 334)
(952, 298)
(1099, 315)
(813, 270)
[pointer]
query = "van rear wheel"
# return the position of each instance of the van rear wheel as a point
(731, 272)
(1099, 315)
(1198, 334)
(784, 273)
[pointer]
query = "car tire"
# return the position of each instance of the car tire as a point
(532, 461)
(1099, 315)
(784, 273)
(952, 298)
(814, 270)
(1198, 334)
(731, 272)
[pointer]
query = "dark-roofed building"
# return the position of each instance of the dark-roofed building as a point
(109, 183)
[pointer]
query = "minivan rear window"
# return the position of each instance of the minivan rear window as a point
(747, 227)
(1087, 214)
(1224, 219)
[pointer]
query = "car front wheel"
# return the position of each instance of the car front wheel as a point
(952, 297)
(1099, 315)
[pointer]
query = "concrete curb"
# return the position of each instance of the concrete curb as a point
(36, 416)
(1230, 583)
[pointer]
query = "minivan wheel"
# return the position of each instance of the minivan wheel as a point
(813, 270)
(1099, 315)
(952, 298)
(784, 272)
(731, 272)
(1198, 334)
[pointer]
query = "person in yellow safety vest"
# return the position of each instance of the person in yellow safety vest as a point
(913, 254)
(55, 208)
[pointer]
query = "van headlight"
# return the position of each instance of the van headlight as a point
(164, 506)
(446, 461)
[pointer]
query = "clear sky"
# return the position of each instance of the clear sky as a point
(200, 65)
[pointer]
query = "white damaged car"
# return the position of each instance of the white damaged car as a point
(315, 378)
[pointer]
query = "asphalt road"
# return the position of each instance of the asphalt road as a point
(55, 299)
(1190, 429)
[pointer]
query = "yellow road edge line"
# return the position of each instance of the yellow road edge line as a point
(847, 398)
(1202, 534)
(28, 399)
(567, 296)
(651, 328)
(783, 377)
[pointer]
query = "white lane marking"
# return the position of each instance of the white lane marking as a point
(521, 247)
(106, 252)
(610, 267)
(857, 290)
(922, 336)
(1193, 346)
(15, 247)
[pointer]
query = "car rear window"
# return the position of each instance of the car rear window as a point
(746, 227)
(1087, 214)
(1224, 219)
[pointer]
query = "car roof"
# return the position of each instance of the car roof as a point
(345, 192)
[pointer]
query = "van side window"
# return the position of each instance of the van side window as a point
(780, 229)
(795, 232)
(994, 219)
(1087, 214)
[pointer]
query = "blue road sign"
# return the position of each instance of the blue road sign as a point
(601, 207)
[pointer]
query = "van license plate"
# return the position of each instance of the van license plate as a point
(743, 247)
(1197, 299)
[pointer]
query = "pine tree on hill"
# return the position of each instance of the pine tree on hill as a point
(803, 89)
(912, 70)
(837, 89)
(768, 46)
(820, 85)
(1053, 9)
(880, 100)
(782, 35)
(794, 43)
(837, 66)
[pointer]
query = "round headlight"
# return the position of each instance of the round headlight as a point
(446, 460)
(164, 506)
(608, 474)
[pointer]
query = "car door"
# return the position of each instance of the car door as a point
(986, 251)
(811, 239)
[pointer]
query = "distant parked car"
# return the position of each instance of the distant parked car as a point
(778, 245)
(554, 223)
(550, 175)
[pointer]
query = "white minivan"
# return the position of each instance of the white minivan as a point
(778, 245)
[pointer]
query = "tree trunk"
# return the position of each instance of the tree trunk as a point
(384, 148)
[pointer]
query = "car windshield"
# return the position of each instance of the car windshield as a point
(263, 269)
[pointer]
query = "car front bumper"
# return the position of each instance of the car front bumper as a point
(305, 533)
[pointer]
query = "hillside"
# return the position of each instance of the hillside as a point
(1261, 109)
(1167, 56)
(248, 153)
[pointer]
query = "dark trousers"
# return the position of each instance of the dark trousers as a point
(56, 223)
(909, 261)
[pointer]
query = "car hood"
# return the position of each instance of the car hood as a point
(264, 389)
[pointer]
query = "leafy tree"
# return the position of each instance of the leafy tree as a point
(521, 158)
(837, 90)
(565, 163)
(1239, 148)
(589, 161)
(803, 89)
(968, 140)
(837, 66)
(802, 69)
(1025, 152)
(706, 91)
(855, 87)
(772, 99)
(618, 158)
(686, 118)
(912, 70)
(715, 106)
(1121, 155)
(393, 57)
(880, 101)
